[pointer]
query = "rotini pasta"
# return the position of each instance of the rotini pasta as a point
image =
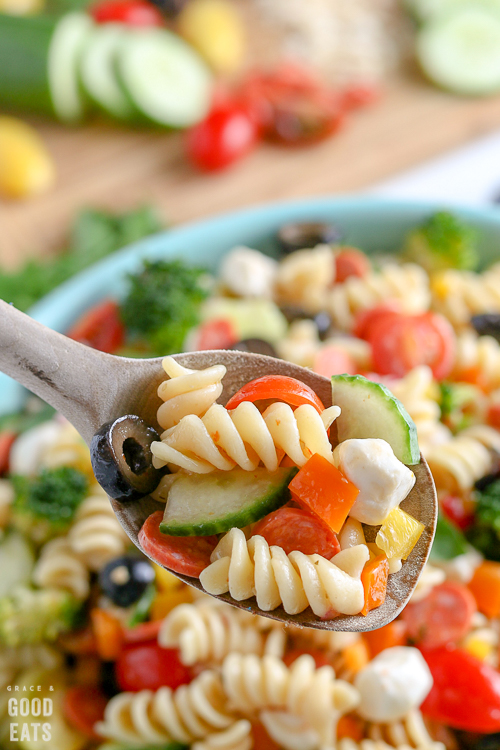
(96, 536)
(409, 732)
(60, 567)
(289, 731)
(252, 568)
(67, 449)
(15, 660)
(480, 354)
(207, 632)
(461, 294)
(458, 464)
(237, 737)
(305, 277)
(301, 343)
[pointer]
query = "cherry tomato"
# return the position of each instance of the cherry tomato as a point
(148, 666)
(145, 631)
(289, 390)
(227, 134)
(459, 510)
(216, 334)
(360, 96)
(187, 555)
(332, 360)
(83, 707)
(493, 417)
(466, 691)
(443, 616)
(320, 658)
(368, 318)
(297, 529)
(6, 440)
(100, 328)
(261, 739)
(350, 261)
(401, 342)
(130, 12)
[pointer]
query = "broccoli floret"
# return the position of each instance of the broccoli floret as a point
(163, 303)
(30, 616)
(444, 241)
(52, 497)
(484, 534)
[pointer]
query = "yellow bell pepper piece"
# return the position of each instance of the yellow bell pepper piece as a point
(478, 647)
(215, 29)
(399, 534)
(26, 167)
(166, 601)
(166, 581)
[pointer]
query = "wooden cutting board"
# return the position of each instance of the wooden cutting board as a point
(103, 164)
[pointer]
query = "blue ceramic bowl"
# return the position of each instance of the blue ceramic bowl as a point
(371, 223)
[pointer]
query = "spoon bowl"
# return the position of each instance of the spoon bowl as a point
(91, 388)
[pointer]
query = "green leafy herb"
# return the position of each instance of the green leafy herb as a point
(94, 235)
(163, 303)
(484, 534)
(53, 496)
(449, 541)
(444, 241)
(143, 606)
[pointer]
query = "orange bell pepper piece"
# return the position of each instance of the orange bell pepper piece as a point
(356, 656)
(108, 633)
(393, 634)
(322, 489)
(485, 586)
(351, 727)
(374, 579)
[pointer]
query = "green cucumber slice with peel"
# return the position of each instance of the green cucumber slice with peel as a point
(369, 410)
(460, 51)
(205, 504)
(64, 55)
(426, 10)
(165, 79)
(16, 562)
(98, 70)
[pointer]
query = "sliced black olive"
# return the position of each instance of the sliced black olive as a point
(322, 319)
(122, 460)
(256, 346)
(487, 325)
(305, 234)
(125, 579)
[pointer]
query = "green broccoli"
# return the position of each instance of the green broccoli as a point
(50, 500)
(30, 616)
(484, 534)
(444, 241)
(163, 303)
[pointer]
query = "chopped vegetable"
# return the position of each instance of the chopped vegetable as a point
(16, 562)
(457, 403)
(449, 542)
(163, 303)
(26, 167)
(29, 617)
(484, 533)
(297, 529)
(459, 510)
(322, 489)
(83, 707)
(374, 579)
(108, 632)
(53, 496)
(399, 534)
(215, 29)
(130, 12)
(443, 616)
(333, 360)
(7, 437)
(100, 327)
(215, 334)
(250, 318)
(126, 579)
(148, 666)
(165, 601)
(393, 634)
(485, 586)
(350, 261)
(281, 387)
(443, 241)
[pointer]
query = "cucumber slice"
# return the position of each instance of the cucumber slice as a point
(98, 72)
(204, 504)
(62, 66)
(369, 410)
(165, 79)
(460, 51)
(252, 318)
(425, 10)
(16, 562)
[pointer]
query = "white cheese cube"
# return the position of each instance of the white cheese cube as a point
(248, 273)
(383, 481)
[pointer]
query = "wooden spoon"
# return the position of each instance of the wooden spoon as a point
(91, 388)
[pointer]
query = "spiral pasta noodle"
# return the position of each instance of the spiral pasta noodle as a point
(206, 632)
(15, 660)
(480, 354)
(96, 536)
(252, 568)
(304, 278)
(458, 295)
(192, 712)
(409, 732)
(458, 464)
(59, 567)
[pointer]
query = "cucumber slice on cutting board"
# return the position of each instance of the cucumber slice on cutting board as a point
(204, 504)
(460, 51)
(62, 65)
(369, 410)
(166, 80)
(98, 70)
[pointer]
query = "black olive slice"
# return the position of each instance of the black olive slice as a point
(487, 325)
(122, 460)
(306, 234)
(322, 319)
(255, 346)
(125, 579)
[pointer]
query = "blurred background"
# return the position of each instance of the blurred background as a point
(193, 107)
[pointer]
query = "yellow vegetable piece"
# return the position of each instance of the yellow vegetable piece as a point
(165, 580)
(399, 534)
(26, 167)
(478, 647)
(215, 29)
(21, 7)
(166, 601)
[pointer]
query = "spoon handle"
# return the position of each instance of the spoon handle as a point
(67, 375)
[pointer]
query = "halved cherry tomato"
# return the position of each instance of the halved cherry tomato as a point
(187, 555)
(83, 707)
(350, 261)
(216, 334)
(365, 319)
(297, 529)
(466, 691)
(100, 327)
(148, 666)
(443, 616)
(7, 437)
(401, 342)
(146, 631)
(332, 360)
(227, 134)
(130, 12)
(459, 510)
(360, 96)
(289, 390)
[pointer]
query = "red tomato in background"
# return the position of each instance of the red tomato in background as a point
(297, 529)
(458, 510)
(227, 134)
(83, 707)
(130, 12)
(148, 666)
(261, 739)
(100, 327)
(493, 417)
(187, 555)
(466, 691)
(360, 95)
(443, 616)
(216, 334)
(332, 360)
(350, 262)
(368, 318)
(7, 438)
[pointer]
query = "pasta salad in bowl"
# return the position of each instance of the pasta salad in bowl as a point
(131, 657)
